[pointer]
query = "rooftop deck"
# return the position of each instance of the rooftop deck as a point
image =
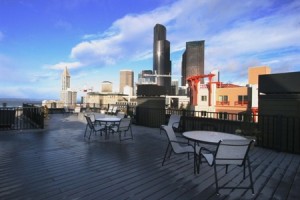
(58, 163)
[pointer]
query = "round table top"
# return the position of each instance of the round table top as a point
(108, 119)
(211, 137)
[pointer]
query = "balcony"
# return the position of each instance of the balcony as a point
(223, 103)
(241, 103)
(58, 163)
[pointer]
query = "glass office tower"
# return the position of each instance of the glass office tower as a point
(161, 58)
(193, 60)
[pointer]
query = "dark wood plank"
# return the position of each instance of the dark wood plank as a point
(58, 163)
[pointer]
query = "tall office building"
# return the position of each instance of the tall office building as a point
(193, 60)
(67, 96)
(126, 82)
(161, 57)
(65, 79)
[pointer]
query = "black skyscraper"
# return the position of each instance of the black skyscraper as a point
(161, 57)
(193, 60)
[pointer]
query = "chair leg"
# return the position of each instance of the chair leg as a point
(90, 133)
(120, 136)
(165, 154)
(85, 130)
(170, 153)
(131, 133)
(196, 163)
(216, 179)
(199, 163)
(250, 176)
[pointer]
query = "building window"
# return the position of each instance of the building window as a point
(223, 100)
(203, 98)
(242, 99)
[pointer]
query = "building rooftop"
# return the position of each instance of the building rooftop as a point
(58, 163)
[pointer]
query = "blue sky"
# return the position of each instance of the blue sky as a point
(96, 39)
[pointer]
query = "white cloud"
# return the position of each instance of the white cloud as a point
(62, 65)
(236, 35)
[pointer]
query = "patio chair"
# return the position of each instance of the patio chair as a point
(94, 128)
(174, 145)
(122, 128)
(229, 152)
(174, 122)
(109, 110)
(114, 110)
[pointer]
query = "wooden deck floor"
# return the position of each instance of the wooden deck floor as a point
(57, 163)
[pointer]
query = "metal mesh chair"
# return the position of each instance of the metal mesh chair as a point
(174, 122)
(122, 128)
(230, 152)
(174, 145)
(94, 128)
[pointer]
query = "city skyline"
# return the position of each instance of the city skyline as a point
(97, 39)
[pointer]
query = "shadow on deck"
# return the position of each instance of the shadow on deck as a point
(58, 163)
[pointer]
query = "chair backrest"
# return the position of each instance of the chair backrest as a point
(92, 116)
(174, 121)
(89, 121)
(114, 110)
(232, 151)
(124, 124)
(109, 110)
(172, 138)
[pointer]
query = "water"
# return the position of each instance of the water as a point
(17, 102)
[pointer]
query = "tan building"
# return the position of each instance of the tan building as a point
(230, 98)
(102, 98)
(254, 72)
(126, 82)
(106, 87)
(67, 95)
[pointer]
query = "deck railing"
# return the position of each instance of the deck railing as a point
(17, 118)
(280, 133)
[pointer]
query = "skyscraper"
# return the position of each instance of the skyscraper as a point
(126, 82)
(161, 57)
(67, 96)
(193, 60)
(65, 79)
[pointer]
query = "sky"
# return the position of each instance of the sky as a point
(96, 39)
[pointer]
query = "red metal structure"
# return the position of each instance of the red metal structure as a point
(193, 82)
